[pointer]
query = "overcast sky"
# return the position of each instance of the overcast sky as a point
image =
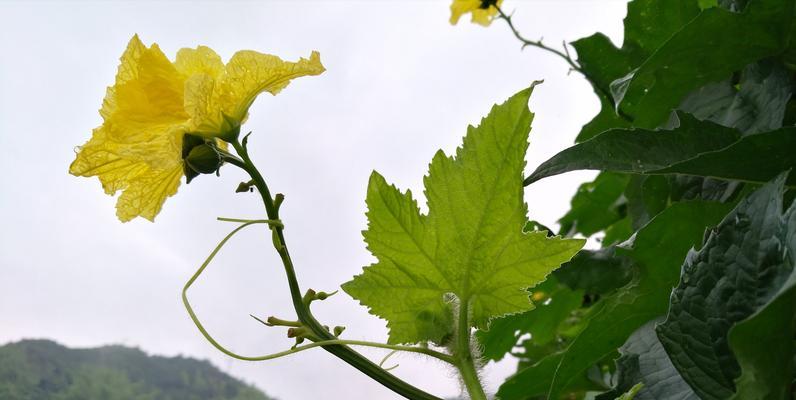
(400, 84)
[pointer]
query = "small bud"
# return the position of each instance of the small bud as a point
(200, 156)
(244, 187)
(296, 332)
(338, 330)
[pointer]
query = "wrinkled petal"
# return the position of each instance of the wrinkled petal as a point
(146, 193)
(201, 60)
(144, 188)
(137, 150)
(250, 73)
(154, 103)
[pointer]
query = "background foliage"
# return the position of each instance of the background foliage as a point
(695, 142)
(41, 369)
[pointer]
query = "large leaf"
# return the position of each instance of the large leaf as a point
(742, 267)
(649, 23)
(470, 244)
(700, 148)
(705, 50)
(757, 104)
(659, 249)
(645, 361)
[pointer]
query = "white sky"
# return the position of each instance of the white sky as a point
(400, 84)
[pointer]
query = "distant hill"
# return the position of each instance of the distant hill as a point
(45, 370)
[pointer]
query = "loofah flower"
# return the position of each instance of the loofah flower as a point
(154, 103)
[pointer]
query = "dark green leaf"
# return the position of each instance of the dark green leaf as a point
(646, 197)
(756, 105)
(684, 188)
(645, 361)
(596, 205)
(700, 148)
(705, 50)
(618, 232)
(741, 268)
(755, 158)
(596, 271)
(763, 343)
(659, 249)
(554, 302)
(649, 23)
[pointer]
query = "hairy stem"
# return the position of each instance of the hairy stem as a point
(464, 356)
(303, 313)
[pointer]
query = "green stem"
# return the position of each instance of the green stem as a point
(464, 356)
(539, 44)
(566, 57)
(422, 350)
(303, 313)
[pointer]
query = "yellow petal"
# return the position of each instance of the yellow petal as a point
(201, 60)
(144, 188)
(480, 15)
(250, 73)
(138, 147)
(461, 7)
(146, 193)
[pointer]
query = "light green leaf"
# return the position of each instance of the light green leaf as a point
(469, 247)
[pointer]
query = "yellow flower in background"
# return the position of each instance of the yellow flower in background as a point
(482, 10)
(155, 102)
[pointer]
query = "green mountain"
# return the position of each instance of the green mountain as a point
(42, 369)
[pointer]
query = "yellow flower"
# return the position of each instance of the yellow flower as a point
(154, 103)
(482, 10)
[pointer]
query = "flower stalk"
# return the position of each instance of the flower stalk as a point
(324, 338)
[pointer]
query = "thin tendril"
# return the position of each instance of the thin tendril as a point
(217, 345)
(383, 360)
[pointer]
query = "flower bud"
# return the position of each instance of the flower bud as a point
(199, 157)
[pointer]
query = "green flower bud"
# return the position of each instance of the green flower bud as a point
(199, 156)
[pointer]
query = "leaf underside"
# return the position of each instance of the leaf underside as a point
(469, 247)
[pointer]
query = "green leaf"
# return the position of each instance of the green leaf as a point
(644, 361)
(763, 343)
(699, 148)
(646, 197)
(596, 271)
(618, 232)
(658, 249)
(554, 303)
(470, 244)
(649, 23)
(745, 265)
(595, 206)
(757, 105)
(705, 50)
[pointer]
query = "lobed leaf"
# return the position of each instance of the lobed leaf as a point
(470, 246)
